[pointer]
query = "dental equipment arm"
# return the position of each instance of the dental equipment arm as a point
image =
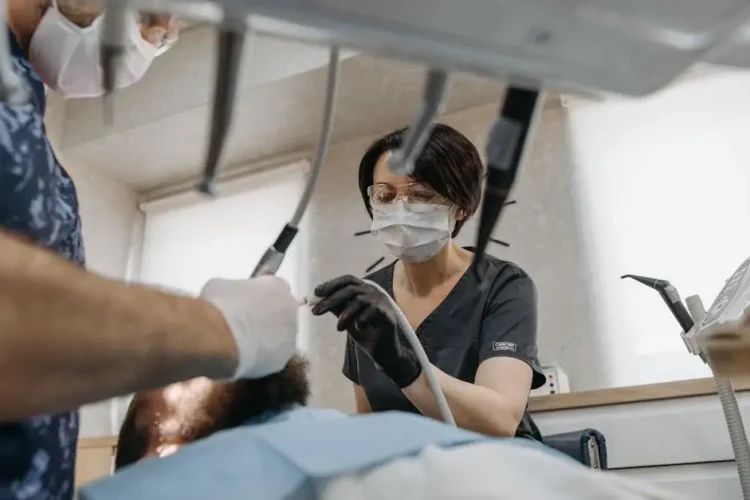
(230, 45)
(101, 338)
(434, 93)
(609, 46)
(671, 298)
(113, 47)
(505, 149)
(272, 259)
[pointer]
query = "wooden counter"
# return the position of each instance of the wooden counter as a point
(94, 458)
(570, 400)
(630, 394)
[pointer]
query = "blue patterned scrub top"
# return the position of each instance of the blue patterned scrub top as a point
(37, 200)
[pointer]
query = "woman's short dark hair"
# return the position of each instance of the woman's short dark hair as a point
(449, 164)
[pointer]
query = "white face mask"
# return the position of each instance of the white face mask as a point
(66, 56)
(413, 232)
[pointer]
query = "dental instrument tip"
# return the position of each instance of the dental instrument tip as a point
(400, 164)
(310, 301)
(649, 282)
(206, 186)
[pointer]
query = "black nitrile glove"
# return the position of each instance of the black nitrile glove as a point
(367, 315)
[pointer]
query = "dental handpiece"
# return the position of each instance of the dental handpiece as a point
(436, 86)
(113, 46)
(505, 149)
(12, 88)
(231, 44)
(671, 298)
(272, 259)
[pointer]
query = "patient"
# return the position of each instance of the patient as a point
(158, 422)
(287, 450)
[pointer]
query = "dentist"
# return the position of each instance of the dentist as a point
(481, 340)
(68, 337)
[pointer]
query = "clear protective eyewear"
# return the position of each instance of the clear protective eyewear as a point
(416, 195)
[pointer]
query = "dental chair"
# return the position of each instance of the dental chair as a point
(586, 446)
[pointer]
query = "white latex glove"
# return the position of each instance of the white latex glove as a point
(262, 316)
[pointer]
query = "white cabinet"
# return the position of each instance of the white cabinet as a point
(681, 444)
(653, 433)
(713, 481)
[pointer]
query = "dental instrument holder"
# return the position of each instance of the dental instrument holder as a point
(436, 86)
(113, 46)
(506, 146)
(695, 322)
(230, 49)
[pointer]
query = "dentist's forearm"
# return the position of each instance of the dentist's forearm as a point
(69, 337)
(474, 407)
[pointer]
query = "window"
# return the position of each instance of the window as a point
(188, 242)
(188, 239)
(663, 186)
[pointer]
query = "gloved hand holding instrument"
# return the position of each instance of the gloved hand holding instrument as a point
(376, 324)
(367, 315)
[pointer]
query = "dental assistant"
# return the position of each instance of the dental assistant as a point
(481, 340)
(69, 337)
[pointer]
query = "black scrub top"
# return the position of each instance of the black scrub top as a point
(471, 325)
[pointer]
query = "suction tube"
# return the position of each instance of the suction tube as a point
(736, 428)
(271, 260)
(731, 410)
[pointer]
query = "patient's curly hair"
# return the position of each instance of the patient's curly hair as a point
(222, 405)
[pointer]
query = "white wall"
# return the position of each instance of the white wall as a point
(111, 219)
(663, 186)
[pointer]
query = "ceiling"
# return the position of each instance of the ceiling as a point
(161, 124)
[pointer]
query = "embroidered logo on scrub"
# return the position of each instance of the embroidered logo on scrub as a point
(504, 346)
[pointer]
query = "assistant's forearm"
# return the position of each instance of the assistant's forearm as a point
(474, 407)
(68, 337)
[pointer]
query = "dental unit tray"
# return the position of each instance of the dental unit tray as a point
(722, 337)
(631, 47)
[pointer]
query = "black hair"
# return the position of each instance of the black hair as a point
(229, 405)
(449, 164)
